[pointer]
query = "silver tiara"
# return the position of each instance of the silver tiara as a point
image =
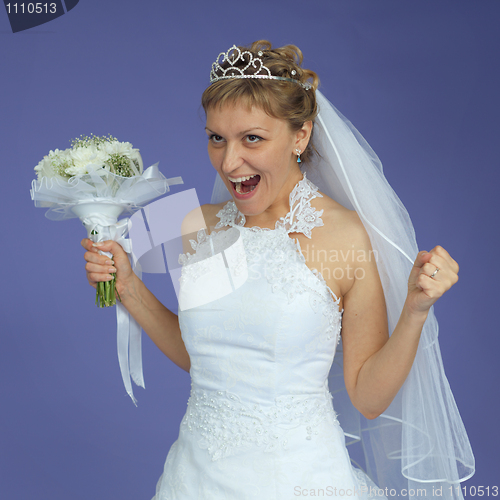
(234, 56)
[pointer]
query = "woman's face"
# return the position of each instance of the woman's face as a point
(254, 154)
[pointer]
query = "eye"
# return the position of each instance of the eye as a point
(253, 138)
(216, 139)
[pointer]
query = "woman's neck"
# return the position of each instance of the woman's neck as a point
(279, 208)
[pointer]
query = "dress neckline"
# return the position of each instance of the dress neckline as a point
(301, 218)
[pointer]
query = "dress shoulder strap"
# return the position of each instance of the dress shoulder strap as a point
(302, 217)
(229, 215)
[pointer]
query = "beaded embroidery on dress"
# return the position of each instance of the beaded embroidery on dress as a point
(261, 334)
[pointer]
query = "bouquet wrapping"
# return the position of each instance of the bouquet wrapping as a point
(98, 180)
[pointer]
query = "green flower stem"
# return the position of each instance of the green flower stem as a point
(106, 293)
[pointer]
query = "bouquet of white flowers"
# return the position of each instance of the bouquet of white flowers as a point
(97, 180)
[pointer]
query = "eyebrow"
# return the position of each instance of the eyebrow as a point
(241, 133)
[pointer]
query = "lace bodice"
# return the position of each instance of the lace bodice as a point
(261, 330)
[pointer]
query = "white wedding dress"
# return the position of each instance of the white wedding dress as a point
(260, 422)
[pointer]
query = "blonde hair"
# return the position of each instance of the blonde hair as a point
(281, 99)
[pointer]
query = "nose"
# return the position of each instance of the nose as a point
(232, 159)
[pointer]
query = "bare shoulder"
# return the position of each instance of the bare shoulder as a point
(340, 249)
(203, 217)
(344, 227)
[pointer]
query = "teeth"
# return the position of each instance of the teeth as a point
(239, 191)
(241, 179)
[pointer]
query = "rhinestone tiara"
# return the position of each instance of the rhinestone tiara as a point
(234, 56)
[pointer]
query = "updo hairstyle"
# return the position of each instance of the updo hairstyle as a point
(280, 99)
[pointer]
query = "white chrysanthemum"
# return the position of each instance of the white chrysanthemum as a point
(81, 158)
(45, 168)
(125, 149)
(119, 148)
(48, 166)
(100, 157)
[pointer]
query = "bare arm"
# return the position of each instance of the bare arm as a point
(156, 320)
(376, 366)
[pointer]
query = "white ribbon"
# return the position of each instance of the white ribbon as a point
(128, 330)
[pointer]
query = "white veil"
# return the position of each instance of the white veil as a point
(418, 446)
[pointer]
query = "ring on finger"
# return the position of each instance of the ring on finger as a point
(434, 273)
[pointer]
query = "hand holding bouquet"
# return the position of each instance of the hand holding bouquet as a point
(97, 180)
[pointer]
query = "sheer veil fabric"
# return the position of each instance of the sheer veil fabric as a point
(418, 446)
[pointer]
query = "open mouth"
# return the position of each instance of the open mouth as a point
(244, 185)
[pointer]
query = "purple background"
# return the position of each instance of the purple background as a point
(420, 80)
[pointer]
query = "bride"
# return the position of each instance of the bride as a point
(308, 274)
